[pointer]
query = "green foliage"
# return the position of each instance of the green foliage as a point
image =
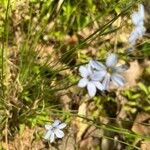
(138, 98)
(145, 49)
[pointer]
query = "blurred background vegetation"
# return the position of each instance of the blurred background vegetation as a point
(42, 44)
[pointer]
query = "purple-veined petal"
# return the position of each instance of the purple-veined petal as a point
(83, 71)
(61, 126)
(106, 81)
(99, 85)
(111, 60)
(117, 79)
(98, 75)
(59, 133)
(48, 127)
(91, 89)
(52, 137)
(56, 123)
(48, 134)
(83, 82)
(97, 65)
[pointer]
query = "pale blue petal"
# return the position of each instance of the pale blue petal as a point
(52, 137)
(140, 30)
(91, 89)
(135, 18)
(140, 24)
(141, 11)
(48, 134)
(111, 60)
(99, 86)
(48, 127)
(61, 126)
(83, 82)
(133, 37)
(98, 75)
(56, 123)
(89, 69)
(97, 65)
(138, 17)
(106, 81)
(59, 133)
(118, 79)
(83, 71)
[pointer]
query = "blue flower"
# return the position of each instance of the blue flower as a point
(91, 79)
(110, 72)
(54, 131)
(138, 21)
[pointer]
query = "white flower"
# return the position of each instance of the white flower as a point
(110, 71)
(138, 21)
(54, 130)
(90, 78)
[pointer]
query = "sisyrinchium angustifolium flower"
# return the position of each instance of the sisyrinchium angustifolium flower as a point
(90, 79)
(54, 131)
(96, 75)
(111, 71)
(138, 21)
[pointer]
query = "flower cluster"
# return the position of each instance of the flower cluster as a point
(96, 75)
(54, 130)
(138, 21)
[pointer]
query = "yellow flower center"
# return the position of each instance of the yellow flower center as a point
(109, 70)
